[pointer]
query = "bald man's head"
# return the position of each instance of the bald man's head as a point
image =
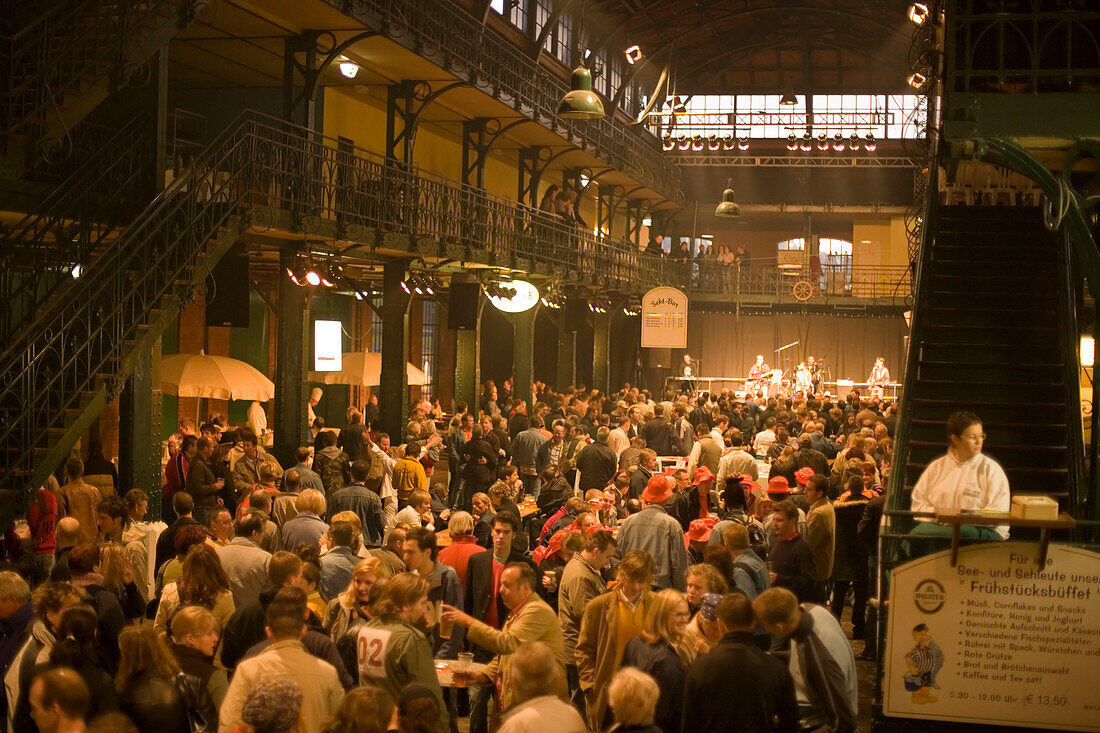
(68, 532)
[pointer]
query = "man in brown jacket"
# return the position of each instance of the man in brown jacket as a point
(79, 499)
(581, 582)
(609, 622)
(529, 619)
(821, 527)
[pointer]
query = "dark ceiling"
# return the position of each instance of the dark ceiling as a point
(731, 46)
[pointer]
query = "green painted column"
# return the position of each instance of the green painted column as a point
(567, 349)
(292, 319)
(466, 367)
(523, 360)
(393, 401)
(139, 429)
(601, 333)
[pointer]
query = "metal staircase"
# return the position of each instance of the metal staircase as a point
(60, 66)
(72, 226)
(64, 364)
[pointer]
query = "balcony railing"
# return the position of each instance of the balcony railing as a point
(309, 176)
(448, 35)
(806, 283)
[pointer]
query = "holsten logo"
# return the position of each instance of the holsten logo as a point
(929, 596)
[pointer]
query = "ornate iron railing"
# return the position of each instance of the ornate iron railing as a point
(1030, 46)
(820, 282)
(449, 35)
(67, 48)
(310, 176)
(70, 227)
(77, 350)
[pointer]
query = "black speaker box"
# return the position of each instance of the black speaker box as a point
(462, 309)
(228, 288)
(575, 313)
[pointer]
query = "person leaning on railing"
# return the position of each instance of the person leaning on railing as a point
(963, 480)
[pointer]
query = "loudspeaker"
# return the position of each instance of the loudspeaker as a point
(462, 309)
(575, 313)
(227, 289)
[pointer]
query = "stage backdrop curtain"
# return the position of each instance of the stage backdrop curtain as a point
(727, 347)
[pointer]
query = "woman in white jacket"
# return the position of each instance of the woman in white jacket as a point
(963, 480)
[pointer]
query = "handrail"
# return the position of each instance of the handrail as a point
(67, 228)
(467, 47)
(71, 42)
(67, 352)
(871, 282)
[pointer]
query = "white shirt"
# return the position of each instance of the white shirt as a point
(763, 441)
(974, 485)
(386, 491)
(733, 462)
(717, 435)
(618, 441)
(543, 714)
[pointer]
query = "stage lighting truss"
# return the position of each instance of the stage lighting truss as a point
(316, 272)
(498, 289)
(632, 308)
(552, 298)
(421, 283)
(806, 143)
(599, 305)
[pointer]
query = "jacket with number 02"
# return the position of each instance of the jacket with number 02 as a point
(393, 654)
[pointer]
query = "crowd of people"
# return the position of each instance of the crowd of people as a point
(522, 563)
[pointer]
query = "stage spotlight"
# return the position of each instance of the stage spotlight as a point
(792, 142)
(838, 143)
(684, 142)
(728, 142)
(78, 270)
(917, 80)
(853, 141)
(742, 143)
(697, 143)
(633, 54)
(918, 13)
(807, 143)
(313, 278)
(822, 142)
(678, 106)
(713, 143)
(668, 143)
(405, 286)
(349, 69)
(870, 145)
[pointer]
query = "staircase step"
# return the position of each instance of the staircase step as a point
(949, 298)
(989, 284)
(1008, 392)
(939, 409)
(996, 353)
(944, 266)
(998, 433)
(986, 335)
(965, 316)
(979, 372)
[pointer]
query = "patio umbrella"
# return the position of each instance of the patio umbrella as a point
(364, 369)
(213, 377)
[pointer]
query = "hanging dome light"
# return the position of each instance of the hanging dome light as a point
(727, 209)
(792, 142)
(838, 142)
(580, 102)
(788, 99)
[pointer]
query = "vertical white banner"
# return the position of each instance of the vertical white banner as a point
(327, 346)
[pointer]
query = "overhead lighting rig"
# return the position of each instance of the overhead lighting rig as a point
(599, 305)
(421, 284)
(497, 289)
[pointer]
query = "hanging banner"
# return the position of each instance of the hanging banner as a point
(996, 640)
(664, 319)
(327, 346)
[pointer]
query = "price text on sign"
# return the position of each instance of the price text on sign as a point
(372, 646)
(996, 639)
(664, 319)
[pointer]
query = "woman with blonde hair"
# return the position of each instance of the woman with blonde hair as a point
(655, 652)
(151, 690)
(396, 652)
(350, 609)
(193, 637)
(118, 578)
(203, 582)
(633, 696)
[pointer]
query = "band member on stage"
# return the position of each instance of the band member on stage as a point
(815, 373)
(759, 369)
(803, 380)
(688, 370)
(879, 378)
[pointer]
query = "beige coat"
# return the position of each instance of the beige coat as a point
(821, 535)
(597, 651)
(533, 621)
(286, 659)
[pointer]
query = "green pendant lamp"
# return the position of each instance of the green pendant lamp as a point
(727, 209)
(580, 102)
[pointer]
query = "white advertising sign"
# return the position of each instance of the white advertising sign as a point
(664, 319)
(327, 346)
(996, 640)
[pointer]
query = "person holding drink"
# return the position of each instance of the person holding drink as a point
(392, 649)
(529, 619)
